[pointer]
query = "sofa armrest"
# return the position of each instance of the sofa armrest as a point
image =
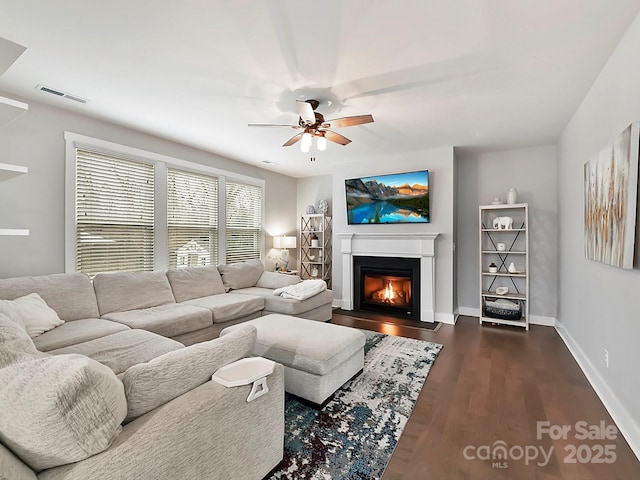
(151, 384)
(277, 280)
(210, 432)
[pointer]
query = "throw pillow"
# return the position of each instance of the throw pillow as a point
(149, 385)
(277, 280)
(241, 275)
(59, 409)
(33, 312)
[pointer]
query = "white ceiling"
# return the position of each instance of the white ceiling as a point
(471, 73)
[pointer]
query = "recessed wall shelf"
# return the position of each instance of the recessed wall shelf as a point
(8, 171)
(14, 231)
(11, 109)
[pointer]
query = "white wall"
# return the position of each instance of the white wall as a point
(599, 304)
(440, 164)
(486, 175)
(36, 200)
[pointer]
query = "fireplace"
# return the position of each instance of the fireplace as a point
(388, 285)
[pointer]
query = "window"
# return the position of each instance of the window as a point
(192, 219)
(114, 214)
(243, 222)
(128, 209)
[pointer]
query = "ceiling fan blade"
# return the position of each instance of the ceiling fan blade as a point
(336, 137)
(271, 125)
(293, 140)
(349, 121)
(305, 109)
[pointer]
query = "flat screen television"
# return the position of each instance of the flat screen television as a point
(394, 198)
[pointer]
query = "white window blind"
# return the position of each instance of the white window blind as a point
(192, 219)
(243, 222)
(114, 213)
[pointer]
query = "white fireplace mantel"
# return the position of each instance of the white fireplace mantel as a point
(410, 245)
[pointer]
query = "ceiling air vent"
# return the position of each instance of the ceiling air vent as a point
(58, 93)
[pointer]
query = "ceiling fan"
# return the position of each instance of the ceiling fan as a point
(313, 124)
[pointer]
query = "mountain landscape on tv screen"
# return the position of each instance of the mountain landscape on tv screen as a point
(373, 201)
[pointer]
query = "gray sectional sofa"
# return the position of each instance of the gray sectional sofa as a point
(121, 389)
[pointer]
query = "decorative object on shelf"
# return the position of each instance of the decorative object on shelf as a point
(512, 268)
(503, 309)
(610, 192)
(315, 242)
(501, 246)
(502, 290)
(496, 201)
(503, 223)
(314, 272)
(320, 256)
(493, 268)
(284, 243)
(311, 210)
(512, 196)
(312, 258)
(322, 207)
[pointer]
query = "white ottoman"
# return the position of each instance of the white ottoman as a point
(318, 357)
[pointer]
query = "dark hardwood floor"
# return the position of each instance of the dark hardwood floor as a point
(493, 384)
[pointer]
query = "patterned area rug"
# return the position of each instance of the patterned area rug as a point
(353, 437)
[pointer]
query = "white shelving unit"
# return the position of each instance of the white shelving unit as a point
(315, 260)
(8, 171)
(517, 252)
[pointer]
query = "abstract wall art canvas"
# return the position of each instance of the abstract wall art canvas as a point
(610, 191)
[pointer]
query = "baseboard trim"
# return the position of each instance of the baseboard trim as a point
(625, 422)
(448, 318)
(469, 312)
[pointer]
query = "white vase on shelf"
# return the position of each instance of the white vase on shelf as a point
(512, 196)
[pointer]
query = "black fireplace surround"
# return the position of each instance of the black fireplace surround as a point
(387, 285)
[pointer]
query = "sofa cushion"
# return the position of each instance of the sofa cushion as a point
(195, 282)
(276, 280)
(121, 350)
(69, 294)
(288, 306)
(12, 468)
(77, 331)
(149, 385)
(74, 410)
(241, 275)
(15, 344)
(229, 306)
(119, 292)
(166, 320)
(33, 312)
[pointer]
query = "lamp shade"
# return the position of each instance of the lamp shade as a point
(284, 242)
(288, 242)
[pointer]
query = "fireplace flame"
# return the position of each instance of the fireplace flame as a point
(388, 294)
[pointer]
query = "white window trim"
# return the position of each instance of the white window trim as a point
(162, 162)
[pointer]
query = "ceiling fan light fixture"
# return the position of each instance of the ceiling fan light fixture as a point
(305, 143)
(322, 143)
